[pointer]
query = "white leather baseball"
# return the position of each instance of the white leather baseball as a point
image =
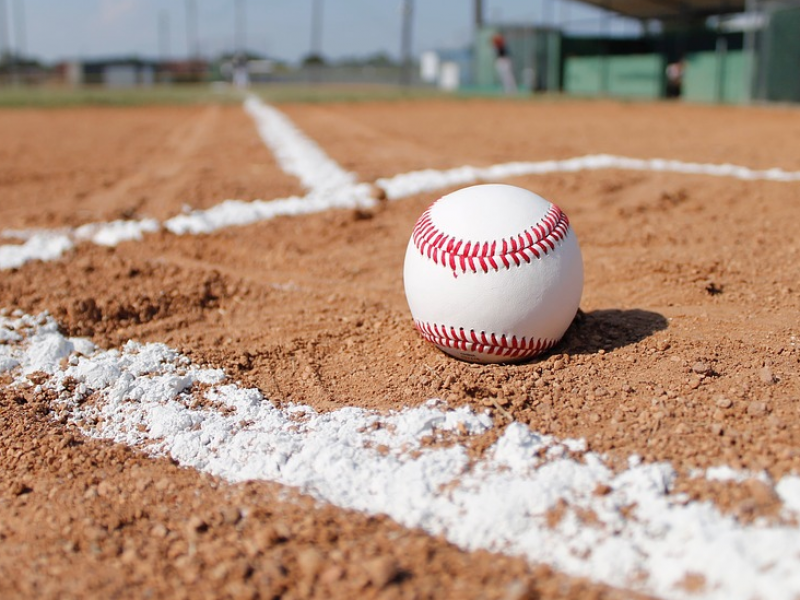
(493, 273)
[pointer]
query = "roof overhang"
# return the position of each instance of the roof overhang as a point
(670, 10)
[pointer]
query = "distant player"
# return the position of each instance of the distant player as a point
(674, 74)
(503, 64)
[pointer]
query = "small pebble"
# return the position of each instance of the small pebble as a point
(18, 488)
(767, 376)
(231, 515)
(159, 531)
(381, 571)
(700, 368)
(197, 525)
(602, 489)
(761, 493)
(723, 402)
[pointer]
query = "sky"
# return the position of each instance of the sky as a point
(53, 30)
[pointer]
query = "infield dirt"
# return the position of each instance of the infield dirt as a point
(685, 349)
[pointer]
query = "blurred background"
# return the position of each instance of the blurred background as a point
(721, 51)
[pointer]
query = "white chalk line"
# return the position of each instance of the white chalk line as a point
(501, 504)
(329, 187)
(643, 536)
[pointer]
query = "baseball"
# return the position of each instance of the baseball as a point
(493, 273)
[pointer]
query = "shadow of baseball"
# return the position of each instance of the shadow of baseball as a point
(609, 329)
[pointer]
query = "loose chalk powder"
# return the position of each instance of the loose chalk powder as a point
(640, 535)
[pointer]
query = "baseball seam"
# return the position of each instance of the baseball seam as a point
(533, 243)
(469, 340)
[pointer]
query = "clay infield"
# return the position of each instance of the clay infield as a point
(230, 399)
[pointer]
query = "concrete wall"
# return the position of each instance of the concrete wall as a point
(634, 76)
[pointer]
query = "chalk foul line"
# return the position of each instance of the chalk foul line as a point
(329, 186)
(642, 536)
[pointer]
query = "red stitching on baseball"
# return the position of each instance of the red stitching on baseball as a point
(483, 342)
(536, 241)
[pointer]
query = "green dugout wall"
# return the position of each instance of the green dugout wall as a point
(718, 77)
(708, 76)
(634, 76)
(777, 76)
(717, 66)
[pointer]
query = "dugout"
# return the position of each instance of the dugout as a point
(715, 66)
(617, 67)
(731, 51)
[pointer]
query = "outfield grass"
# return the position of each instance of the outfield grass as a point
(63, 96)
(334, 92)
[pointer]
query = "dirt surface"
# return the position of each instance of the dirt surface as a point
(129, 163)
(685, 349)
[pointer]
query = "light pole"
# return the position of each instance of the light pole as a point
(5, 32)
(478, 15)
(405, 42)
(191, 28)
(314, 58)
(163, 35)
(316, 28)
(19, 27)
(6, 57)
(240, 33)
